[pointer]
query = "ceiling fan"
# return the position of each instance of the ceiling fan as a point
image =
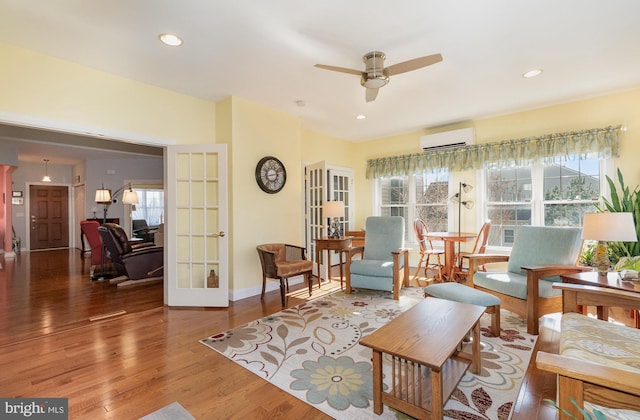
(375, 75)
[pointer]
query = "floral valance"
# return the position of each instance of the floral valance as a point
(604, 142)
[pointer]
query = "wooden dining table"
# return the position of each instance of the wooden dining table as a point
(450, 239)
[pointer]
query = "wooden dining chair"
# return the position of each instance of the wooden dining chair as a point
(426, 251)
(461, 268)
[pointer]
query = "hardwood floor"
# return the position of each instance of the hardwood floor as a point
(137, 361)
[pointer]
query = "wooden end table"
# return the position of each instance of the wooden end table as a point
(611, 281)
(331, 244)
(426, 365)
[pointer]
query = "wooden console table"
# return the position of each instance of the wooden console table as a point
(331, 244)
(426, 365)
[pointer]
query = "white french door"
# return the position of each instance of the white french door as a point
(315, 194)
(196, 249)
(340, 187)
(326, 183)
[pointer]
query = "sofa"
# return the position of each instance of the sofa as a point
(598, 362)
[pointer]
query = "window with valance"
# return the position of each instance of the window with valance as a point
(603, 142)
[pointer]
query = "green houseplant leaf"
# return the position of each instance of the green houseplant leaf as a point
(622, 200)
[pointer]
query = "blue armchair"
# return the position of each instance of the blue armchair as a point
(385, 263)
(539, 256)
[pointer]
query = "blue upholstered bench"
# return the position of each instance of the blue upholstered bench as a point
(464, 294)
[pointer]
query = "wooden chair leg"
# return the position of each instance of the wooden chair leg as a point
(495, 319)
(264, 284)
(426, 266)
(419, 265)
(309, 280)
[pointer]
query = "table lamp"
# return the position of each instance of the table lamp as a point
(607, 227)
(333, 210)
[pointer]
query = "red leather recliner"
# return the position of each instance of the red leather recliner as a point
(90, 230)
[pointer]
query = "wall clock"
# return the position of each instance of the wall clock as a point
(270, 174)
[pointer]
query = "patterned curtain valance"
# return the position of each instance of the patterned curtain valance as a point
(602, 141)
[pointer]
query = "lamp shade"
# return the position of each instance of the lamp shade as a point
(333, 208)
(130, 197)
(103, 196)
(615, 227)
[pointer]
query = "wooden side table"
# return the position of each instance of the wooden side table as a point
(611, 281)
(331, 244)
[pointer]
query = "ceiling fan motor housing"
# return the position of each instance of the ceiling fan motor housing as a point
(374, 76)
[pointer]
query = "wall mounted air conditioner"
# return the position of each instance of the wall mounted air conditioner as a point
(447, 139)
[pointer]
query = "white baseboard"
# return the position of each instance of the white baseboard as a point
(272, 284)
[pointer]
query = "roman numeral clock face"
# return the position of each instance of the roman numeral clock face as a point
(270, 175)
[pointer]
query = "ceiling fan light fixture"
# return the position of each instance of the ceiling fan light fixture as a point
(361, 117)
(532, 73)
(374, 82)
(376, 75)
(170, 40)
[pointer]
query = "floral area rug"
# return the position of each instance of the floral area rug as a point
(311, 351)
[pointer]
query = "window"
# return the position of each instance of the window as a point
(150, 207)
(508, 193)
(423, 195)
(554, 193)
(571, 188)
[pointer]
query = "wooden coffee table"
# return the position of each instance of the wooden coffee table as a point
(611, 281)
(426, 364)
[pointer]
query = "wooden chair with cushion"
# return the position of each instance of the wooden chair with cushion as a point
(426, 250)
(540, 254)
(282, 261)
(598, 361)
(385, 262)
(461, 268)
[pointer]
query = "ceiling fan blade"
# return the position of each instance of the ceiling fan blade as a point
(339, 69)
(371, 94)
(414, 64)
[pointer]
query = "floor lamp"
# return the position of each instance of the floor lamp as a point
(457, 198)
(106, 198)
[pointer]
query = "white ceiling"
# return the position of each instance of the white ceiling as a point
(265, 51)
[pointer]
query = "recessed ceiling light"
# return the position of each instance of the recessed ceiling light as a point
(171, 40)
(361, 117)
(532, 73)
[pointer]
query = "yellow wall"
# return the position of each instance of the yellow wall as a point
(259, 217)
(49, 88)
(317, 147)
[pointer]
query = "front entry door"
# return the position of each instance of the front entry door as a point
(49, 217)
(196, 249)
